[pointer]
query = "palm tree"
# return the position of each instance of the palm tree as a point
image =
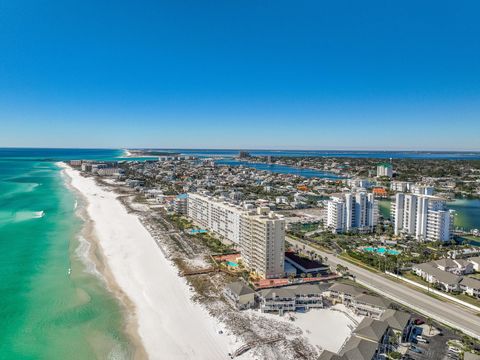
(429, 323)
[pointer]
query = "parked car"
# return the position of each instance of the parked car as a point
(421, 339)
(454, 350)
(415, 349)
(418, 322)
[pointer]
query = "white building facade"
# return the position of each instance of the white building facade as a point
(352, 212)
(424, 217)
(384, 169)
(259, 233)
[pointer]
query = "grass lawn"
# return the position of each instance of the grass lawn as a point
(357, 262)
(462, 297)
(467, 299)
(416, 278)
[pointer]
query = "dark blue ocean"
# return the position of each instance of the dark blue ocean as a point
(449, 155)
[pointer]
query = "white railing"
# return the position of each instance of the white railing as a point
(434, 291)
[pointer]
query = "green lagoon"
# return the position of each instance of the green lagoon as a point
(52, 304)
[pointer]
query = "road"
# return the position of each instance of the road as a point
(453, 315)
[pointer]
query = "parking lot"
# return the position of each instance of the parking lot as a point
(435, 349)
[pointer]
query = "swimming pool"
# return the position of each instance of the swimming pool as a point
(197, 231)
(232, 264)
(381, 250)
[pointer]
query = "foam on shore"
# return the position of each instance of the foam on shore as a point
(170, 324)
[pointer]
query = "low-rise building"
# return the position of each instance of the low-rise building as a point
(400, 322)
(470, 286)
(369, 341)
(455, 266)
(293, 298)
(433, 275)
(240, 295)
(464, 253)
(305, 265)
(475, 261)
(342, 293)
(369, 305)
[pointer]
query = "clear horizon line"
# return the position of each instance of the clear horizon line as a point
(244, 149)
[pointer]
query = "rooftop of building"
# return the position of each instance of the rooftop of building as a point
(442, 276)
(373, 300)
(470, 282)
(396, 319)
(304, 262)
(371, 329)
(346, 289)
(239, 288)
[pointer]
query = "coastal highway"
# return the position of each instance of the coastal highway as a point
(451, 314)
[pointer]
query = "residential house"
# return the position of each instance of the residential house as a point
(433, 275)
(455, 266)
(475, 261)
(470, 286)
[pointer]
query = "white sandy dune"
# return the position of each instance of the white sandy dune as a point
(171, 325)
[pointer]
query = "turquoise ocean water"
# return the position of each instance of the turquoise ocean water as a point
(51, 305)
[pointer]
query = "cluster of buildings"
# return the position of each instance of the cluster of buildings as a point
(423, 217)
(369, 339)
(99, 168)
(349, 212)
(258, 232)
(450, 275)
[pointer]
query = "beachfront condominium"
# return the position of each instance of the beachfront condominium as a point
(217, 215)
(262, 242)
(425, 217)
(352, 212)
(384, 169)
(259, 233)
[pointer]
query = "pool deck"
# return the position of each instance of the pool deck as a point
(273, 283)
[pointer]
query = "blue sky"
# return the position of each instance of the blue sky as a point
(240, 74)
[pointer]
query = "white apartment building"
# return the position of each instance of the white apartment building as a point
(217, 215)
(352, 212)
(425, 217)
(422, 190)
(259, 233)
(384, 169)
(400, 186)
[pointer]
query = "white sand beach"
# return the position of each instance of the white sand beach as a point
(170, 324)
(328, 328)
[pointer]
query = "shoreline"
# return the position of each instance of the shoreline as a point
(95, 263)
(162, 319)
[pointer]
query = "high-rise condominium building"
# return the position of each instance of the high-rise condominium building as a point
(262, 242)
(259, 233)
(384, 169)
(352, 212)
(424, 217)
